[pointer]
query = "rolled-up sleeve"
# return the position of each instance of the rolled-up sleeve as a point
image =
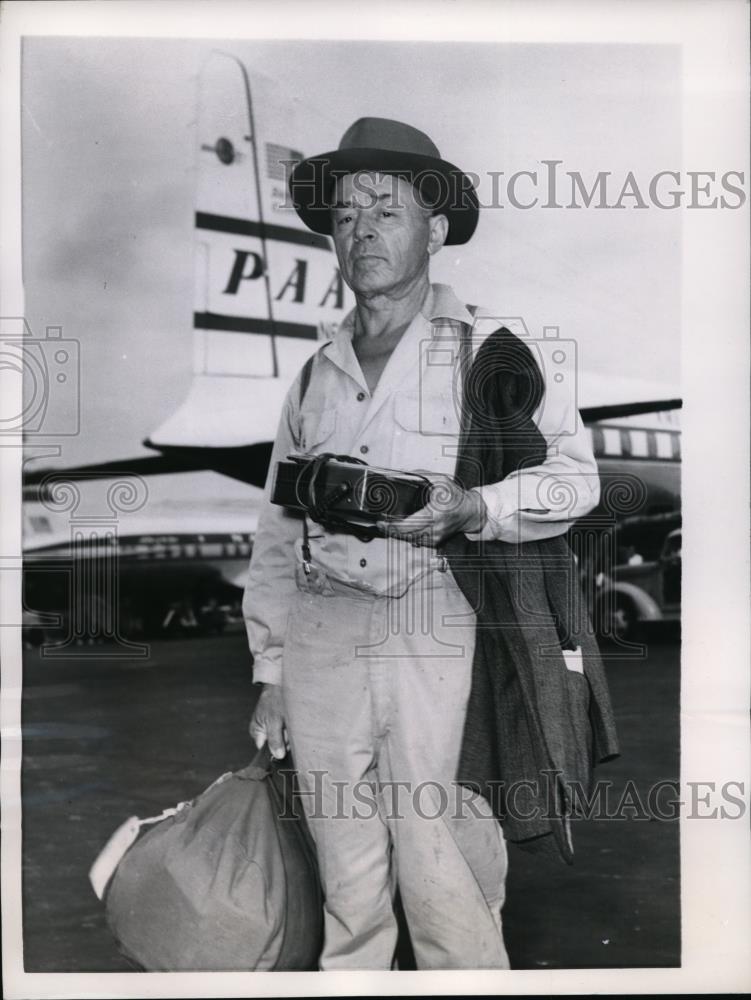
(271, 576)
(543, 500)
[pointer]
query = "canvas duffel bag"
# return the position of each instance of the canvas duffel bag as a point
(227, 881)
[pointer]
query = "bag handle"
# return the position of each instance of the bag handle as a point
(259, 767)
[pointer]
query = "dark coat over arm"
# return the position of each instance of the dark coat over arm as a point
(535, 727)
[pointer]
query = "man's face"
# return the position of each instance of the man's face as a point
(382, 233)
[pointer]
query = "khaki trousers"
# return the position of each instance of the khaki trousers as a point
(375, 691)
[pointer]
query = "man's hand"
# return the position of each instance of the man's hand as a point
(268, 721)
(450, 509)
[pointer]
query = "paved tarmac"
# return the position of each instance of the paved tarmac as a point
(105, 739)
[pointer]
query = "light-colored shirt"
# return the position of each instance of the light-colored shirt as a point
(410, 422)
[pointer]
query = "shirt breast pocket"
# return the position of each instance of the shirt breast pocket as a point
(426, 432)
(317, 429)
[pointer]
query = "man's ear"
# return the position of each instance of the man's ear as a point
(439, 230)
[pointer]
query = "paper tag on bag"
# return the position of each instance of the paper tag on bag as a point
(574, 660)
(112, 853)
(124, 837)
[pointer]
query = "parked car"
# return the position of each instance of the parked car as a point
(640, 591)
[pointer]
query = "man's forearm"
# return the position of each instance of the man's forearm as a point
(543, 501)
(269, 592)
(270, 587)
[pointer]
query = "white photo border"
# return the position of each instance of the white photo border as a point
(715, 855)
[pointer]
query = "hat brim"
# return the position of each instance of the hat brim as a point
(447, 189)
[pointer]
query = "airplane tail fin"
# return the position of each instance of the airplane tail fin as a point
(266, 288)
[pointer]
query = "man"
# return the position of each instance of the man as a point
(364, 648)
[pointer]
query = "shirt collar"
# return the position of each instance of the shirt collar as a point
(440, 303)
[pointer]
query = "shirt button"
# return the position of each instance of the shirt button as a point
(363, 562)
(364, 449)
(360, 397)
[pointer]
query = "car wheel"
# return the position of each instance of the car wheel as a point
(624, 624)
(616, 619)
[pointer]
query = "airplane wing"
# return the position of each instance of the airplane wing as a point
(247, 464)
(611, 411)
(610, 396)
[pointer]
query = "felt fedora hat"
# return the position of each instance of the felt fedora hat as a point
(389, 147)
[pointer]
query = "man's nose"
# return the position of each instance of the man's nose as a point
(364, 229)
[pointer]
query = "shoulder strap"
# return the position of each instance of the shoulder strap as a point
(465, 347)
(307, 370)
(305, 373)
(465, 420)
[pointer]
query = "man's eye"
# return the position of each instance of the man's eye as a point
(343, 219)
(386, 214)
